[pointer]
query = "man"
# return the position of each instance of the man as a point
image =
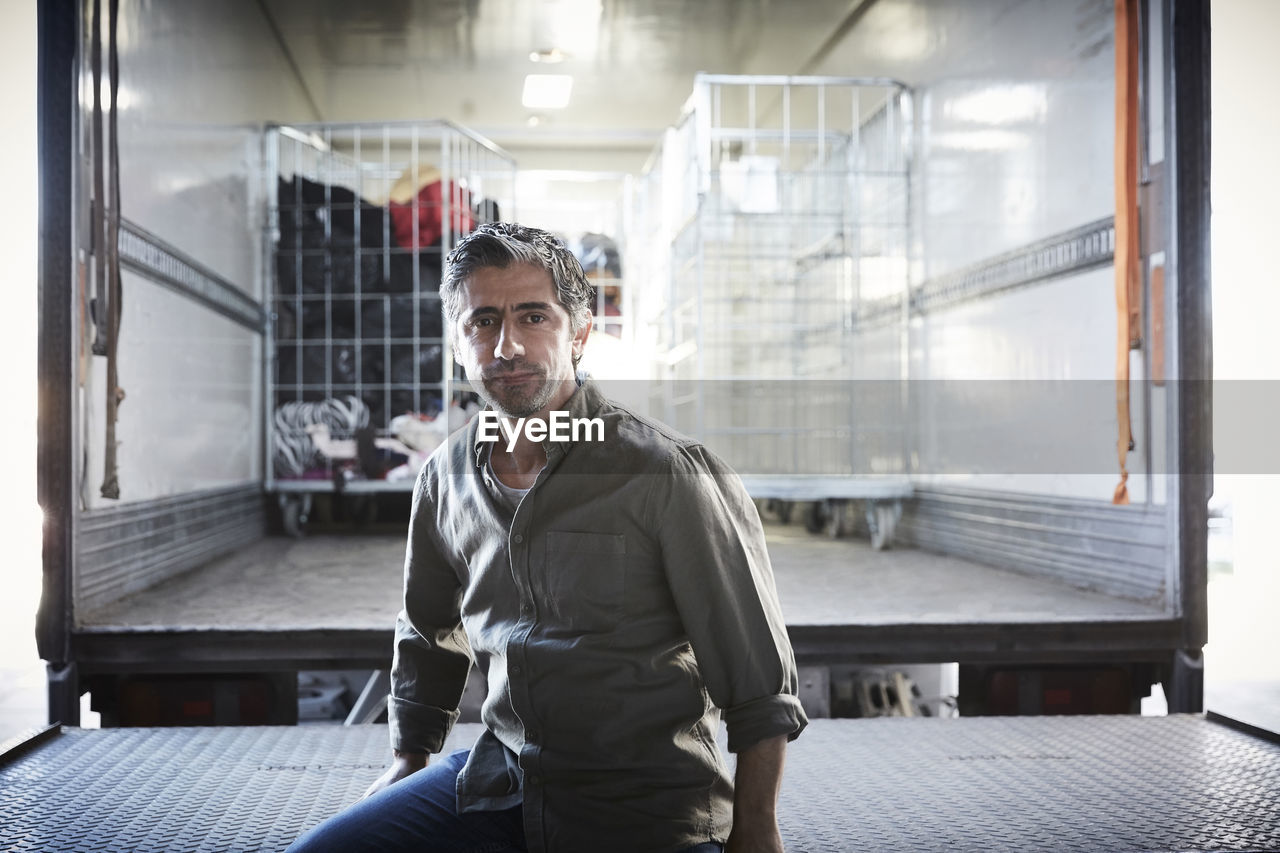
(613, 588)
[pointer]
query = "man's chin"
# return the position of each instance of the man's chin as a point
(516, 405)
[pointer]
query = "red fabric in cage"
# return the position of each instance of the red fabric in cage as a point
(430, 209)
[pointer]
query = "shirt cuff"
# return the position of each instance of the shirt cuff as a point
(764, 718)
(418, 728)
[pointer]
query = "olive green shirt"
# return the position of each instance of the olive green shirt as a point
(626, 603)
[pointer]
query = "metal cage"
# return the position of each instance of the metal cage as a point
(775, 211)
(360, 219)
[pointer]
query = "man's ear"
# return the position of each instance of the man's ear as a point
(580, 337)
(454, 332)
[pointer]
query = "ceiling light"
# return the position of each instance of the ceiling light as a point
(549, 55)
(547, 91)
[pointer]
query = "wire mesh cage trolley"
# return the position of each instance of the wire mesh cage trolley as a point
(360, 219)
(774, 211)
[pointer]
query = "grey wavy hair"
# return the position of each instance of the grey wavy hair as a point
(501, 244)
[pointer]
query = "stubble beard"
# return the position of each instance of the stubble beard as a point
(518, 402)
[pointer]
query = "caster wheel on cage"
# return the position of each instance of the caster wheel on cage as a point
(815, 517)
(324, 509)
(775, 508)
(882, 519)
(362, 510)
(785, 511)
(836, 525)
(295, 510)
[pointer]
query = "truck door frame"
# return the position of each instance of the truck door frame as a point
(56, 105)
(1187, 105)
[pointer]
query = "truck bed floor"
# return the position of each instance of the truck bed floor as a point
(277, 583)
(354, 583)
(1030, 783)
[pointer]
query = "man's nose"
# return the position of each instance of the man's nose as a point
(509, 345)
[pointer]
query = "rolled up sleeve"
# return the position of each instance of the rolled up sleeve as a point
(431, 657)
(718, 569)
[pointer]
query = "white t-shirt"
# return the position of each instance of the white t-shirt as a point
(510, 496)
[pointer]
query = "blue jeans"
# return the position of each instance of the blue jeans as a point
(419, 815)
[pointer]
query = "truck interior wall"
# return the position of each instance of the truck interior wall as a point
(128, 548)
(197, 188)
(1116, 550)
(193, 76)
(1005, 161)
(1014, 138)
(1014, 114)
(191, 419)
(1016, 392)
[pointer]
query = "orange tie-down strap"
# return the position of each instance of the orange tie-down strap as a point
(1127, 262)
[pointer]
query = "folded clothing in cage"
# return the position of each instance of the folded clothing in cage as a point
(383, 317)
(423, 433)
(331, 241)
(317, 266)
(348, 215)
(295, 453)
(392, 316)
(420, 222)
(335, 364)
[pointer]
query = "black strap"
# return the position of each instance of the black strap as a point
(97, 228)
(111, 258)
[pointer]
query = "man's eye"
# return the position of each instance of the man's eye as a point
(482, 322)
(537, 318)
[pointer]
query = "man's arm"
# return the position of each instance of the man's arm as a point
(717, 566)
(431, 655)
(755, 798)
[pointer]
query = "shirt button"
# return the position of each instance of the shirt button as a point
(532, 735)
(515, 669)
(518, 538)
(534, 779)
(526, 610)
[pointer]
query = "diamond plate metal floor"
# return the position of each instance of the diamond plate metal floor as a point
(355, 583)
(1031, 783)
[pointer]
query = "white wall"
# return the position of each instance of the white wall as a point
(1243, 629)
(21, 674)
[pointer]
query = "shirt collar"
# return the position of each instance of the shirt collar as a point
(585, 402)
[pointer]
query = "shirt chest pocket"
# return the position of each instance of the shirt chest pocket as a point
(586, 578)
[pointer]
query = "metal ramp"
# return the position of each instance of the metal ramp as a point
(1092, 784)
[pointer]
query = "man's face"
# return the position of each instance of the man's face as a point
(516, 341)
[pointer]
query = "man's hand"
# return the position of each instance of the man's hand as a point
(755, 798)
(405, 764)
